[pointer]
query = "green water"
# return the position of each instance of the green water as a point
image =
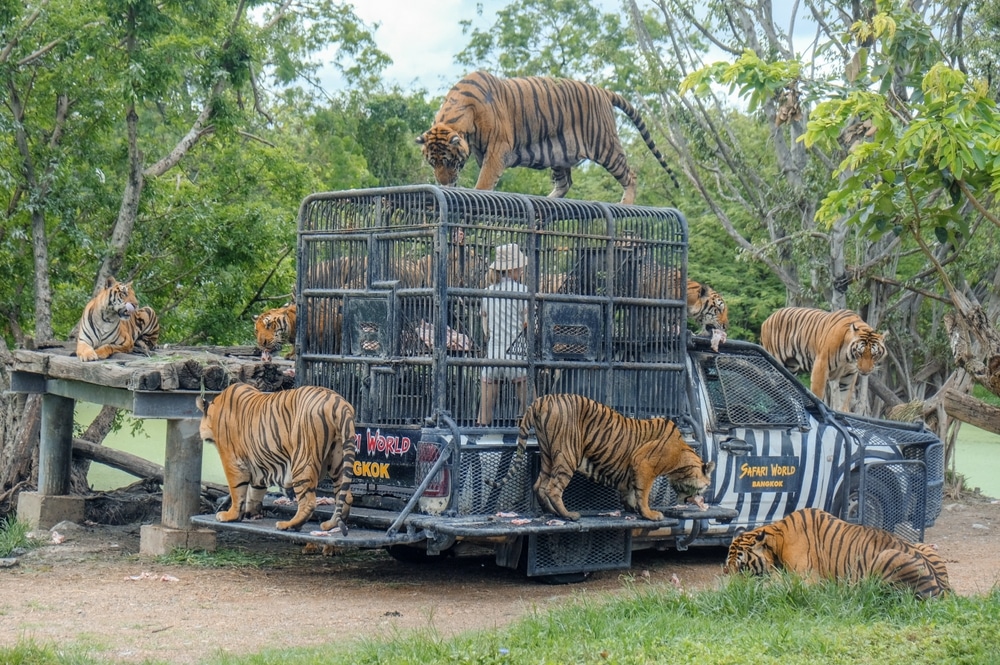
(149, 443)
(977, 457)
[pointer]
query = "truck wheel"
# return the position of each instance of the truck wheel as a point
(879, 503)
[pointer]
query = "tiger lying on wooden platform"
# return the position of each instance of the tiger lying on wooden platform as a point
(113, 322)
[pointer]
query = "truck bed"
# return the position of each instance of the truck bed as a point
(368, 528)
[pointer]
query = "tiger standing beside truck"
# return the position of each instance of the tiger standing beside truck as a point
(423, 467)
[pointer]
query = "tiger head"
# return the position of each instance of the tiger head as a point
(205, 427)
(273, 329)
(446, 151)
(707, 306)
(750, 553)
(867, 347)
(690, 477)
(119, 297)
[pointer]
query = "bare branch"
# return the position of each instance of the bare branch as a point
(5, 54)
(198, 129)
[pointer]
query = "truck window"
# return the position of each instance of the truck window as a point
(747, 391)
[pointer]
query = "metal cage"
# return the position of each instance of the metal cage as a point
(393, 283)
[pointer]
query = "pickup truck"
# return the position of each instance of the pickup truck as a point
(389, 293)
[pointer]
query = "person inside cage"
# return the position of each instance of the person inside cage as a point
(504, 323)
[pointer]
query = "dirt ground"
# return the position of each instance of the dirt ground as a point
(94, 589)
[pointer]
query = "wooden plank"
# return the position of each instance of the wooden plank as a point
(105, 373)
(172, 368)
(31, 361)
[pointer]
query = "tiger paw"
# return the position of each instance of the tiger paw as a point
(654, 515)
(340, 526)
(227, 516)
(86, 355)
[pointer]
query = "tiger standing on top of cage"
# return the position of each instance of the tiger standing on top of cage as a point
(535, 121)
(504, 323)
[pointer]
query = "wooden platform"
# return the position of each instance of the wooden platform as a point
(171, 369)
(163, 385)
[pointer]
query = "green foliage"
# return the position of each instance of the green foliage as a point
(751, 292)
(220, 558)
(894, 183)
(211, 229)
(386, 127)
(749, 76)
(564, 38)
(14, 536)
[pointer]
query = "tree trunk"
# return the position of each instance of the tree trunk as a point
(129, 210)
(975, 343)
(20, 423)
(96, 431)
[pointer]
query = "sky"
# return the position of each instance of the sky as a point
(422, 38)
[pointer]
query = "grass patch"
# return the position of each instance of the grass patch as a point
(776, 621)
(14, 536)
(221, 558)
(981, 393)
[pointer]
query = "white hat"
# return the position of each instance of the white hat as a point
(508, 258)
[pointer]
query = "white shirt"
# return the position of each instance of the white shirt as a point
(504, 317)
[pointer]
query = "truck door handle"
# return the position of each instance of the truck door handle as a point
(736, 446)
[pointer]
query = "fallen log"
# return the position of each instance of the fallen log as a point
(973, 411)
(129, 463)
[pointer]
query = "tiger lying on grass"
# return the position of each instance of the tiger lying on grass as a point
(815, 544)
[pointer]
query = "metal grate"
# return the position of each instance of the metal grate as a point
(557, 553)
(890, 498)
(474, 497)
(917, 445)
(748, 391)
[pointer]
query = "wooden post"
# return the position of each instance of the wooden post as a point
(55, 451)
(182, 473)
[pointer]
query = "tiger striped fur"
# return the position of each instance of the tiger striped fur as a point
(288, 438)
(536, 122)
(273, 329)
(112, 322)
(576, 433)
(704, 304)
(814, 544)
(831, 346)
